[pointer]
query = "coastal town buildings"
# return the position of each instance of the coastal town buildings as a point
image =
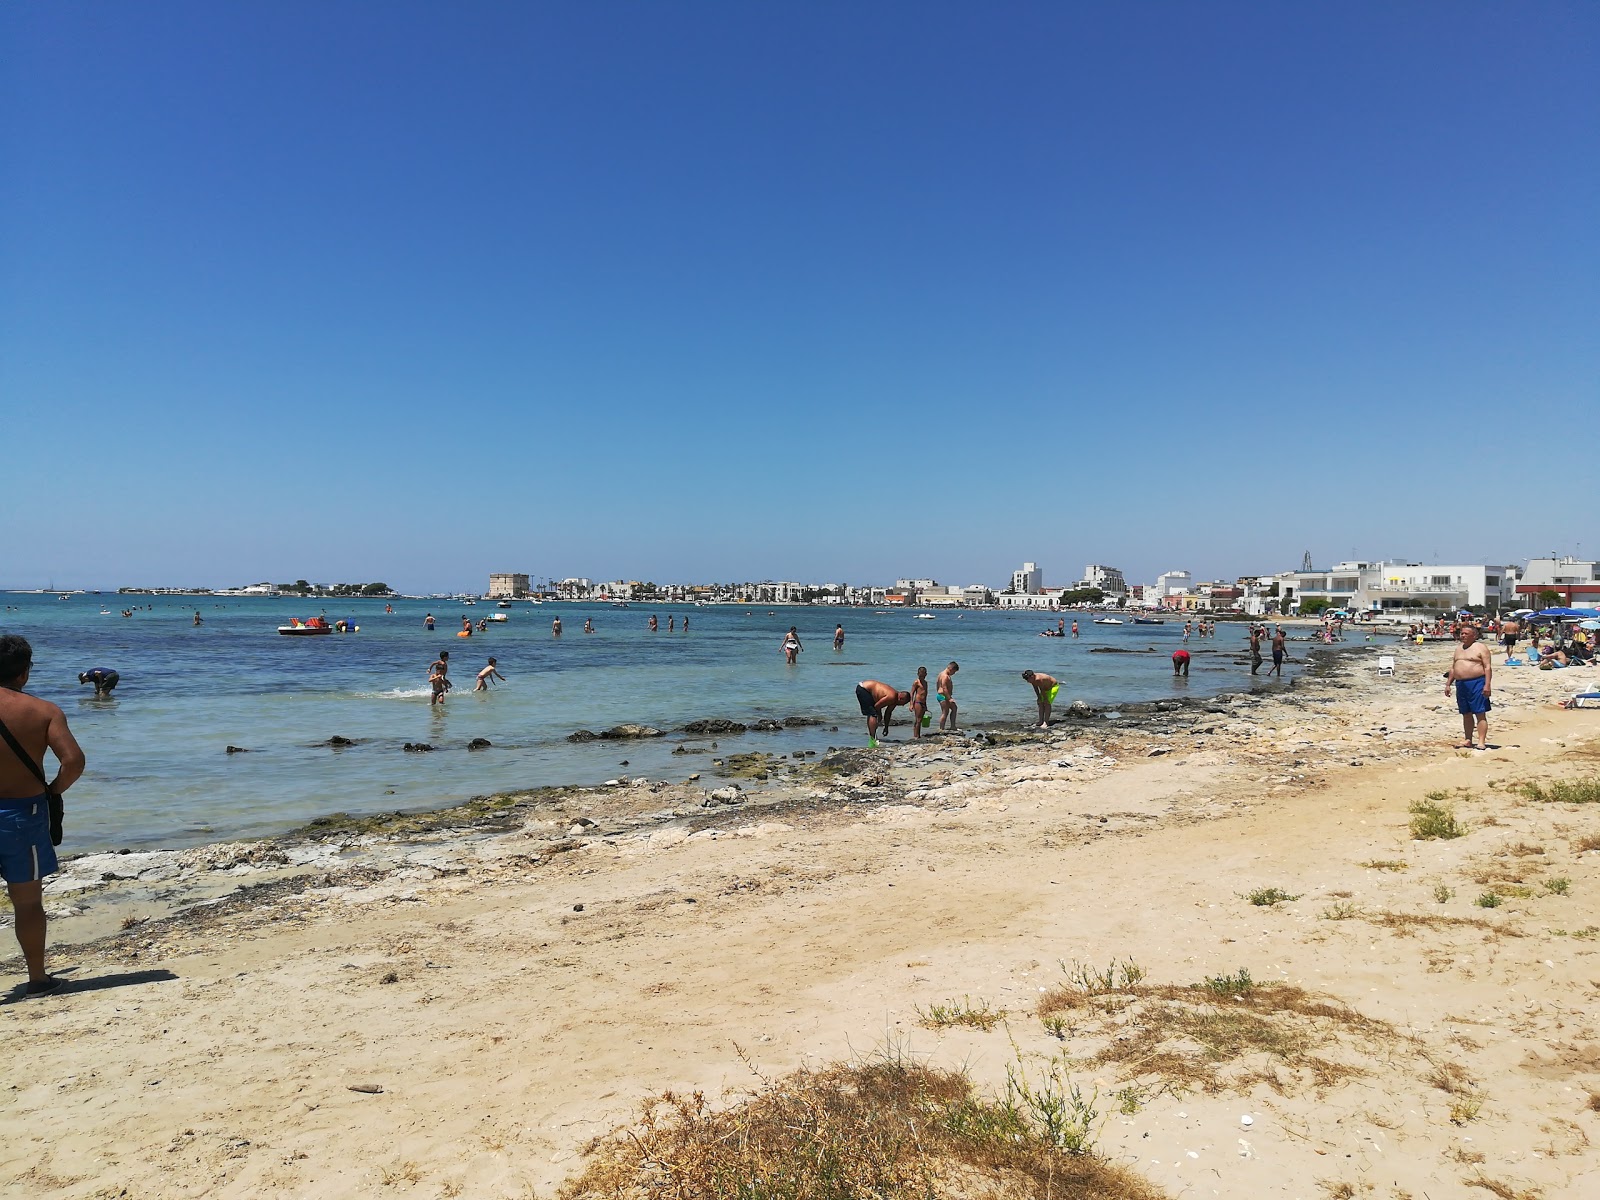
(507, 586)
(1576, 580)
(1028, 580)
(1401, 588)
(1108, 579)
(1171, 583)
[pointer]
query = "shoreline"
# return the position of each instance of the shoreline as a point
(610, 942)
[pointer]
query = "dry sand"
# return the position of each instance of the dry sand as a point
(214, 1052)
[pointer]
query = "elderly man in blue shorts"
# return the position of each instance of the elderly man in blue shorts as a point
(27, 850)
(1472, 675)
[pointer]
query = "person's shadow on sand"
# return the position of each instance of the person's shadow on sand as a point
(96, 983)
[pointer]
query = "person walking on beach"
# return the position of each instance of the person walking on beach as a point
(1472, 675)
(1510, 631)
(103, 678)
(1277, 653)
(487, 674)
(439, 677)
(945, 692)
(878, 700)
(1044, 692)
(919, 702)
(791, 646)
(1255, 649)
(28, 833)
(838, 637)
(1180, 663)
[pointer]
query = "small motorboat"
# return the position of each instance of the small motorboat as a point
(1108, 621)
(924, 617)
(504, 604)
(1148, 621)
(316, 627)
(497, 618)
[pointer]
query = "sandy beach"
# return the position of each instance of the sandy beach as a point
(457, 1004)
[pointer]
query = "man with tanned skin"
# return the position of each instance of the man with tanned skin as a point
(1255, 649)
(26, 852)
(919, 702)
(1471, 674)
(878, 701)
(838, 637)
(945, 692)
(1044, 691)
(1510, 631)
(1277, 653)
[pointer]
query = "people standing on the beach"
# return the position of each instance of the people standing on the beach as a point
(1255, 649)
(1277, 652)
(103, 678)
(1510, 631)
(1044, 692)
(945, 692)
(791, 646)
(654, 624)
(1180, 663)
(1472, 675)
(439, 677)
(487, 674)
(555, 627)
(588, 624)
(838, 637)
(878, 700)
(28, 831)
(427, 621)
(919, 702)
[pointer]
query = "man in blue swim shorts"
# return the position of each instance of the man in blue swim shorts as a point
(1471, 674)
(27, 854)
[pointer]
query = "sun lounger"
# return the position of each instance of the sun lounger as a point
(1386, 664)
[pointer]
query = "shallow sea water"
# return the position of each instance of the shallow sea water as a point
(159, 773)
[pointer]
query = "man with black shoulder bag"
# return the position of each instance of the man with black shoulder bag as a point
(30, 805)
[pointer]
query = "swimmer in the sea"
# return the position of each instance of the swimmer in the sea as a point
(487, 674)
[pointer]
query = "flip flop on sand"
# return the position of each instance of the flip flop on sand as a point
(43, 987)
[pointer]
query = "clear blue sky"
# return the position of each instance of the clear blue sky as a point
(824, 291)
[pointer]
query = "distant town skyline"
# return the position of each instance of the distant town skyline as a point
(415, 293)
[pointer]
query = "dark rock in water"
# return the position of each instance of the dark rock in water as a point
(713, 726)
(623, 763)
(582, 735)
(765, 726)
(479, 744)
(336, 740)
(416, 747)
(629, 732)
(1119, 650)
(238, 750)
(800, 722)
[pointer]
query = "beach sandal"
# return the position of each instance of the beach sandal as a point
(43, 987)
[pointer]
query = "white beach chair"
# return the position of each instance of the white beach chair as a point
(1386, 664)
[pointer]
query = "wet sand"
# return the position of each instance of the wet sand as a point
(517, 975)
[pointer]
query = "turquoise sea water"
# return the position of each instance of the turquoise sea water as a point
(159, 774)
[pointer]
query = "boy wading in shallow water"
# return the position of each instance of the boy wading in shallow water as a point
(27, 849)
(919, 703)
(1471, 673)
(945, 694)
(439, 677)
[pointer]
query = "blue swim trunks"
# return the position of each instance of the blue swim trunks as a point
(1470, 699)
(26, 855)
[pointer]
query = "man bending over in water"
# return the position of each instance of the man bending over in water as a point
(1471, 673)
(945, 694)
(103, 678)
(878, 701)
(485, 675)
(1044, 691)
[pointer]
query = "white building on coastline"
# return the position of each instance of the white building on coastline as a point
(1108, 579)
(1029, 580)
(1401, 588)
(1171, 583)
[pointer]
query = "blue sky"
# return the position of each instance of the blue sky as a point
(826, 291)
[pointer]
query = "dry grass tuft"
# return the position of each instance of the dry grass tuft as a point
(1586, 843)
(1386, 864)
(891, 1129)
(1501, 1188)
(1406, 924)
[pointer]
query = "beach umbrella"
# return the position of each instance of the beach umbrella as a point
(1589, 624)
(1567, 613)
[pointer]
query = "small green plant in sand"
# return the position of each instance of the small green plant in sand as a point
(1129, 1099)
(1432, 819)
(1386, 864)
(1236, 984)
(1489, 900)
(1268, 896)
(1586, 934)
(960, 1013)
(1114, 977)
(1515, 891)
(1559, 886)
(1057, 1026)
(1341, 911)
(889, 1127)
(1443, 894)
(1562, 791)
(1465, 1107)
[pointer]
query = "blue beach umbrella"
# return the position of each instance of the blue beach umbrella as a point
(1568, 613)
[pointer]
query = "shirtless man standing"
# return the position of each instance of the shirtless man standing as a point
(945, 692)
(1470, 674)
(555, 627)
(838, 637)
(919, 702)
(1044, 692)
(1510, 631)
(1255, 648)
(878, 701)
(1277, 652)
(27, 852)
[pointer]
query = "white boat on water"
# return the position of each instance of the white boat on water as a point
(497, 618)
(924, 617)
(1108, 621)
